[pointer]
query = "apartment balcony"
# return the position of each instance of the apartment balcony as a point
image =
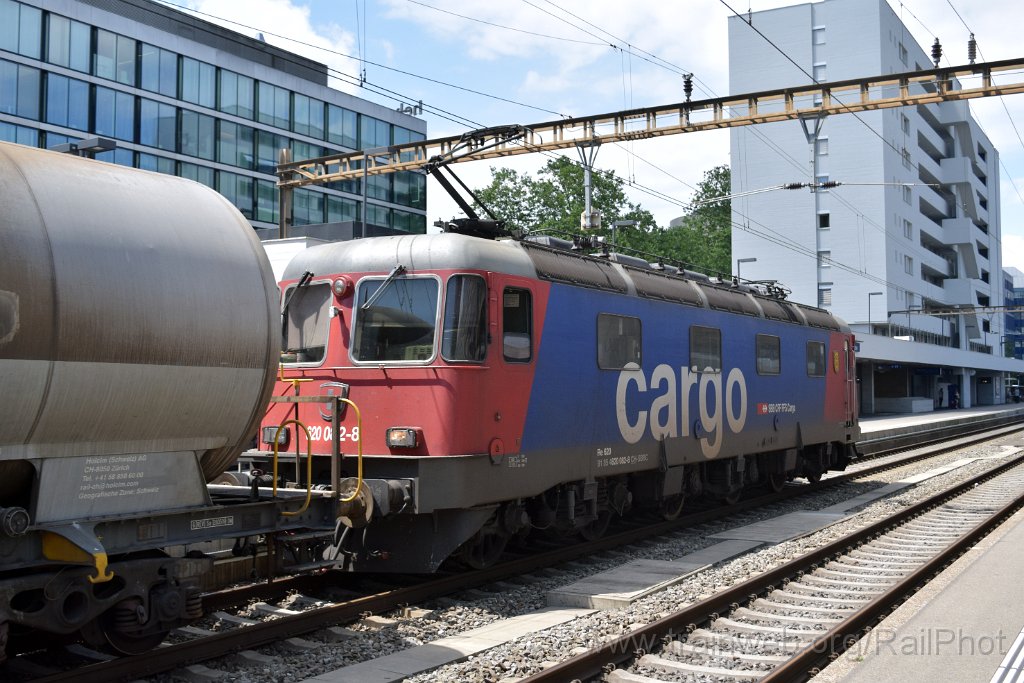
(964, 291)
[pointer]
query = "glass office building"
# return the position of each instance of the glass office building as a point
(186, 97)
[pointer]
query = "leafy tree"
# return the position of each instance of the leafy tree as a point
(553, 201)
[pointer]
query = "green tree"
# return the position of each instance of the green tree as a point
(553, 201)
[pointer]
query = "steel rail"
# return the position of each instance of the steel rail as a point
(597, 661)
(174, 656)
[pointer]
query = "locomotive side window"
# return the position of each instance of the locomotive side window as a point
(517, 330)
(815, 359)
(705, 349)
(399, 322)
(465, 319)
(307, 323)
(769, 354)
(619, 342)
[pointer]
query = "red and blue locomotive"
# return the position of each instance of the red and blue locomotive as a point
(509, 385)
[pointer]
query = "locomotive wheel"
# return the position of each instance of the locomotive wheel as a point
(732, 497)
(813, 477)
(595, 529)
(484, 549)
(672, 506)
(776, 480)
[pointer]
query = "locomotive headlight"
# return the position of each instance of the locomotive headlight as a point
(403, 437)
(267, 436)
(340, 287)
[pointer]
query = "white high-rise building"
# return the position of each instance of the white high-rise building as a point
(912, 226)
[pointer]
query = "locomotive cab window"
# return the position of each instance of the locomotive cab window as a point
(465, 319)
(769, 355)
(516, 327)
(306, 323)
(619, 342)
(395, 320)
(705, 349)
(815, 359)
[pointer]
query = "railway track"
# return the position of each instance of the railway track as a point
(238, 630)
(785, 624)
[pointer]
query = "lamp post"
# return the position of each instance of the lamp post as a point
(615, 227)
(741, 261)
(871, 294)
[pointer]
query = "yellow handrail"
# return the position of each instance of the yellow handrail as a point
(359, 452)
(309, 465)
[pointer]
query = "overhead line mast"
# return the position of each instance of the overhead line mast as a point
(820, 99)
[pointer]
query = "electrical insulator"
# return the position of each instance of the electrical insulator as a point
(688, 85)
(936, 52)
(972, 49)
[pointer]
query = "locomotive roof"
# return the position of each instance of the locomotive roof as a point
(452, 251)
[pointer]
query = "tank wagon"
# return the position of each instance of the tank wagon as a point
(513, 385)
(127, 385)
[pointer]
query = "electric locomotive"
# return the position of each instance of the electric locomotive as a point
(510, 385)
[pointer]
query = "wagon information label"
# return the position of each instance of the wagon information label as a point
(119, 484)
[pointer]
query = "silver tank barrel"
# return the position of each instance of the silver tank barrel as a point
(137, 315)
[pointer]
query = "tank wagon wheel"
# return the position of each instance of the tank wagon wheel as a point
(483, 549)
(813, 477)
(732, 497)
(672, 507)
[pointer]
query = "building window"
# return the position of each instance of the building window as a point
(905, 153)
(114, 58)
(821, 147)
(815, 359)
(157, 125)
(705, 349)
(237, 189)
(820, 181)
(273, 105)
(908, 264)
(19, 90)
(824, 221)
(415, 223)
(342, 127)
(619, 342)
(307, 207)
(819, 73)
(115, 114)
(267, 201)
(825, 259)
(68, 43)
(268, 146)
(200, 174)
(23, 135)
(305, 150)
(121, 157)
(309, 117)
(903, 54)
(158, 70)
(199, 83)
(379, 186)
(151, 162)
(198, 135)
(905, 124)
(769, 354)
(378, 215)
(236, 94)
(67, 102)
(410, 189)
(373, 133)
(908, 229)
(341, 209)
(824, 297)
(21, 28)
(907, 195)
(818, 35)
(235, 144)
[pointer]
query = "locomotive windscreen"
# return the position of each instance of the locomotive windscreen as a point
(400, 323)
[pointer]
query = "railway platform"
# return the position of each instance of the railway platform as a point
(887, 425)
(966, 625)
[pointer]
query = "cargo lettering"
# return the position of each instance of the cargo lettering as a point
(669, 412)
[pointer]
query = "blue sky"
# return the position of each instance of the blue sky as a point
(548, 57)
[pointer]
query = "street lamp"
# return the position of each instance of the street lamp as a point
(871, 294)
(616, 225)
(740, 261)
